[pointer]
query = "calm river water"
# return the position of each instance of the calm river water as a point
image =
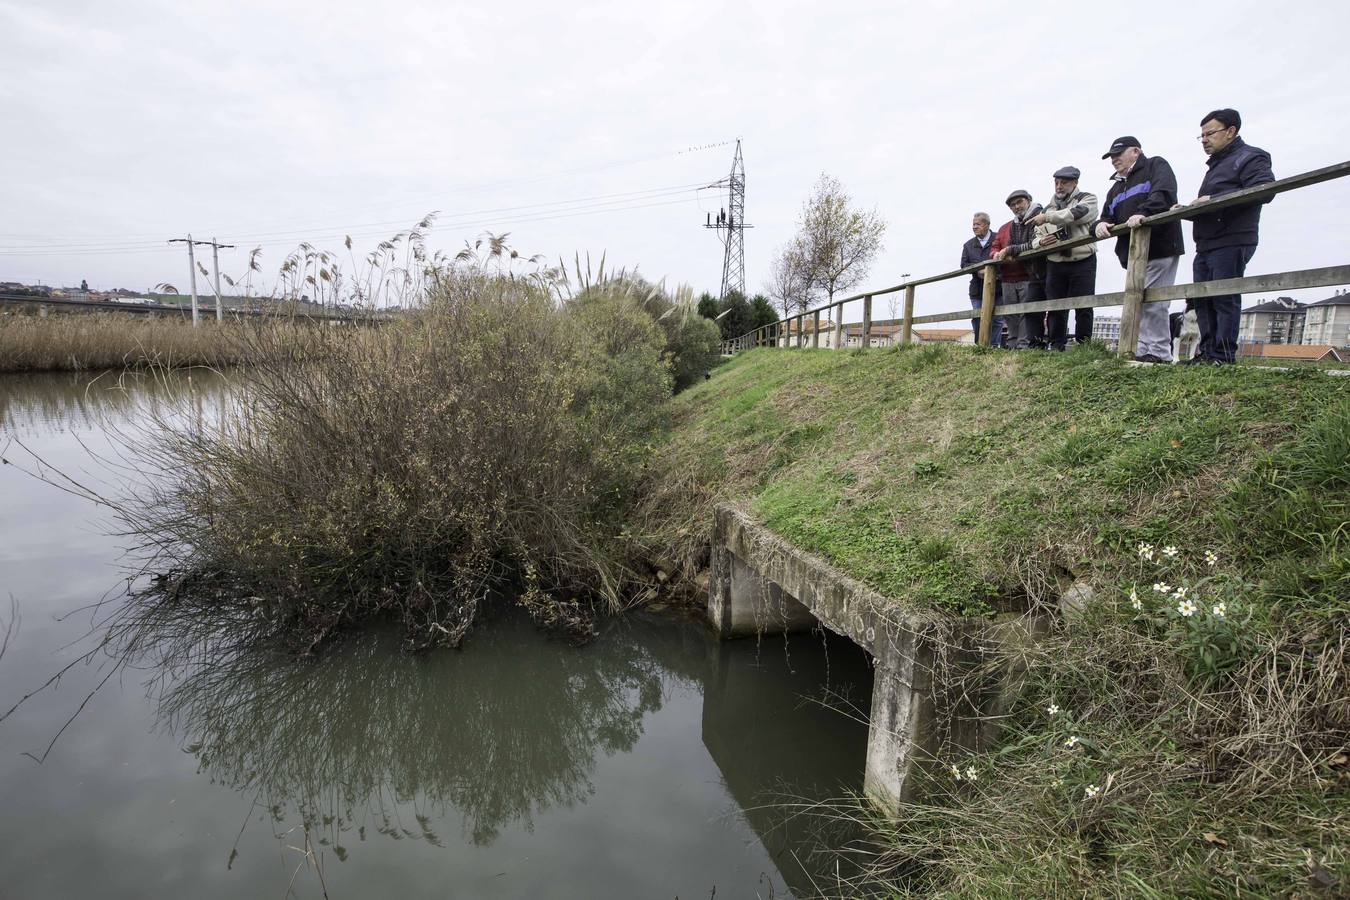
(651, 763)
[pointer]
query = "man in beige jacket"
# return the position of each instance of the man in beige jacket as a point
(1072, 272)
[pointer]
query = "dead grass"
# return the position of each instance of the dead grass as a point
(118, 341)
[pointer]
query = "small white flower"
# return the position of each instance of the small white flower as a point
(1186, 608)
(1220, 609)
(1211, 558)
(1058, 782)
(1146, 551)
(1179, 593)
(1052, 708)
(1072, 741)
(1170, 552)
(956, 773)
(1091, 791)
(971, 774)
(1135, 601)
(1162, 587)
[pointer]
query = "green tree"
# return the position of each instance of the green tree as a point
(707, 305)
(735, 316)
(763, 312)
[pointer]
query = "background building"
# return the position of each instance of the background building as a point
(1328, 321)
(1278, 321)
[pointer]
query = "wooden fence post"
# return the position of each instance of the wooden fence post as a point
(801, 337)
(987, 307)
(867, 321)
(1136, 273)
(907, 324)
(815, 329)
(838, 326)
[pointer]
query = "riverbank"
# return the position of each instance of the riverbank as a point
(72, 343)
(1183, 728)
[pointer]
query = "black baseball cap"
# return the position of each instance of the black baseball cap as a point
(1120, 144)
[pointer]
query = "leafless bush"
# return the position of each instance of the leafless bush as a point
(493, 436)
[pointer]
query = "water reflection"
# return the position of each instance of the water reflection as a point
(84, 401)
(495, 735)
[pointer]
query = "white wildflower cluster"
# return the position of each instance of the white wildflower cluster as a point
(1134, 599)
(1162, 587)
(1146, 552)
(970, 773)
(1185, 605)
(1211, 558)
(1052, 708)
(1219, 610)
(1091, 791)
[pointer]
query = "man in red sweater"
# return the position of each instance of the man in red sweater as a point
(1022, 282)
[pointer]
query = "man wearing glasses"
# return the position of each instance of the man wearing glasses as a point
(1225, 240)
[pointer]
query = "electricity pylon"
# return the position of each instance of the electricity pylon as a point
(731, 226)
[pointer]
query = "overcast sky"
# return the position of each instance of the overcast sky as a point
(129, 123)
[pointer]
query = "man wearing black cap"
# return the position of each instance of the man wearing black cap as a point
(1145, 186)
(1022, 282)
(1072, 272)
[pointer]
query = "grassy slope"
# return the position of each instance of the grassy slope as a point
(967, 480)
(962, 477)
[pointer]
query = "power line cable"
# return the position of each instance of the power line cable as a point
(580, 203)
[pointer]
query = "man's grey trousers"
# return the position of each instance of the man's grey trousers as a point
(1155, 330)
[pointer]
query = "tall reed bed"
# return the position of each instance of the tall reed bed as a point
(118, 341)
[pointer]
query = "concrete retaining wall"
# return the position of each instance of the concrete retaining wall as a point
(759, 583)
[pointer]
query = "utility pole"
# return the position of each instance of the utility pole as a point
(192, 273)
(731, 221)
(215, 267)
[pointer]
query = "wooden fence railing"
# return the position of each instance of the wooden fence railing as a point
(783, 333)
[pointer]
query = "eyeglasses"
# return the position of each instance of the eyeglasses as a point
(1205, 134)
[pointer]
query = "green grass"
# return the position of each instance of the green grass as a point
(961, 482)
(1030, 466)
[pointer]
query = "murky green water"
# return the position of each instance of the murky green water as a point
(650, 763)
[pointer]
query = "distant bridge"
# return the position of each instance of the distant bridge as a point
(160, 309)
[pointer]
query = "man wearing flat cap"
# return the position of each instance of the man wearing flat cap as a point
(1145, 186)
(1071, 272)
(1022, 282)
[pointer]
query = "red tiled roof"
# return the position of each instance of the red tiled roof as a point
(1293, 351)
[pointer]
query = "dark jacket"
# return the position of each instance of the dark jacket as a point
(1237, 166)
(971, 253)
(1018, 234)
(1147, 189)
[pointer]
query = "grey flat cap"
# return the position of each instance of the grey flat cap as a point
(1014, 195)
(1068, 172)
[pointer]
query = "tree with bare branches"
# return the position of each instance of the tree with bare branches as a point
(832, 251)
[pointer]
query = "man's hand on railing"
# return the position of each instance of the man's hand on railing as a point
(1103, 229)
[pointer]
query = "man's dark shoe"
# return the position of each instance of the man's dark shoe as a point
(1196, 361)
(1148, 358)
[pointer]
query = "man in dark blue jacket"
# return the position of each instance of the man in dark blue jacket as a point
(978, 249)
(1225, 240)
(1144, 186)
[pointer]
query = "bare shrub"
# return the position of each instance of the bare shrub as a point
(493, 436)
